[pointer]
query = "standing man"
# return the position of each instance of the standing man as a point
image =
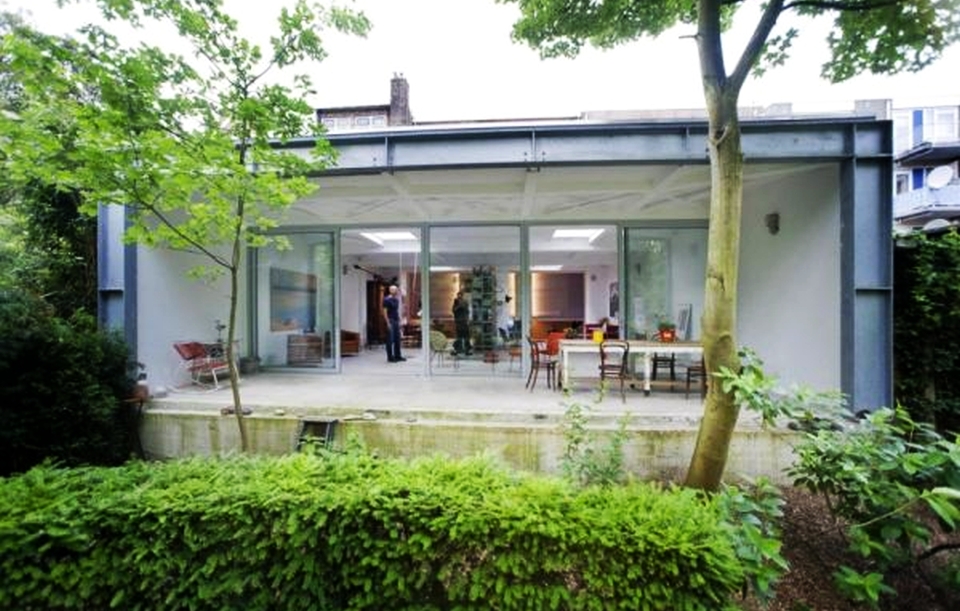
(391, 311)
(461, 321)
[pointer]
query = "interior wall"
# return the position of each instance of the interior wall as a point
(172, 307)
(789, 286)
(353, 299)
(597, 280)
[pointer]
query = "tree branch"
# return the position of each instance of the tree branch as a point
(754, 48)
(840, 5)
(936, 549)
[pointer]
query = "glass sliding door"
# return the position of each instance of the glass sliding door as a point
(474, 307)
(295, 304)
(574, 280)
(665, 274)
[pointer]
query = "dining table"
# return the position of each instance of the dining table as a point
(638, 348)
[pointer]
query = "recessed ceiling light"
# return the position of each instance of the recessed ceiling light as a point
(545, 268)
(444, 268)
(589, 234)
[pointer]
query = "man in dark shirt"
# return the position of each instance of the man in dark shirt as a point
(461, 321)
(391, 311)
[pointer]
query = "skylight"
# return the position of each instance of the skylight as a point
(379, 237)
(589, 234)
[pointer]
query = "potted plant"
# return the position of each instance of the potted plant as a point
(667, 330)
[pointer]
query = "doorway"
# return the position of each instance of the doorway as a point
(373, 259)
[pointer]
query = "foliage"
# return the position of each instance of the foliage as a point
(50, 249)
(927, 305)
(590, 456)
(800, 406)
(894, 481)
(883, 37)
(752, 514)
(63, 388)
(189, 148)
(348, 531)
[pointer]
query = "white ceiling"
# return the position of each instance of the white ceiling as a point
(596, 195)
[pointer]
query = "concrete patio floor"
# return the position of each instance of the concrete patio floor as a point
(469, 390)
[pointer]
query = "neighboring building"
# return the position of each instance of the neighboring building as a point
(562, 215)
(927, 149)
(366, 118)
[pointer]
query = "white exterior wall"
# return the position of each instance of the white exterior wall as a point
(173, 307)
(789, 305)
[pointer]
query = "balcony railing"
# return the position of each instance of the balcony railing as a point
(947, 197)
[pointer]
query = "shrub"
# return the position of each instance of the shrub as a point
(63, 386)
(894, 483)
(351, 532)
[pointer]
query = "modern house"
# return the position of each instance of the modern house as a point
(575, 219)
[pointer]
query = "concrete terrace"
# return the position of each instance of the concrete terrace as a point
(475, 407)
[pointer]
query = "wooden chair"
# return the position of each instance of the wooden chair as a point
(200, 365)
(539, 358)
(696, 371)
(614, 357)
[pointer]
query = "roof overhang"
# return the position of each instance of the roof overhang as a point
(563, 171)
(927, 154)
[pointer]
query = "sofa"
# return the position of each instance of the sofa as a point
(349, 343)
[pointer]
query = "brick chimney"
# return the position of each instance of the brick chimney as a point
(400, 101)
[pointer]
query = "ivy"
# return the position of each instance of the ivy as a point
(927, 328)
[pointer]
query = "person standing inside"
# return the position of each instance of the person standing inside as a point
(391, 311)
(461, 320)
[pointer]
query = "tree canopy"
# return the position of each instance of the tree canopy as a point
(188, 144)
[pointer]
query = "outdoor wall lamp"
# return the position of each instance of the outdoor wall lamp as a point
(772, 221)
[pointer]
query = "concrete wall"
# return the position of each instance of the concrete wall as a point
(650, 453)
(789, 308)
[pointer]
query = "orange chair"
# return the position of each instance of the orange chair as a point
(200, 364)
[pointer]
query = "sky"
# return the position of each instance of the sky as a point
(460, 63)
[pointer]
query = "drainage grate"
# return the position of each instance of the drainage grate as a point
(316, 430)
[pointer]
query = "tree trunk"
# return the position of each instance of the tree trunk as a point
(720, 299)
(231, 358)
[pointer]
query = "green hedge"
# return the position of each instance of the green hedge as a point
(303, 532)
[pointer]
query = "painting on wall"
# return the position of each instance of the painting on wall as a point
(614, 301)
(293, 300)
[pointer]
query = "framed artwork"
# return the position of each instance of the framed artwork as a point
(293, 300)
(684, 320)
(614, 313)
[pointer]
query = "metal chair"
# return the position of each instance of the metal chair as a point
(614, 356)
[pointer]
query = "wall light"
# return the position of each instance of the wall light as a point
(772, 221)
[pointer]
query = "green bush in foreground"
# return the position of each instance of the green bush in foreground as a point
(349, 532)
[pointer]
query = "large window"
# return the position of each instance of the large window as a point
(295, 313)
(573, 278)
(474, 300)
(665, 276)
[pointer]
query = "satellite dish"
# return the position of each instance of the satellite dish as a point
(937, 225)
(940, 177)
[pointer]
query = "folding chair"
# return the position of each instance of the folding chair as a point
(200, 365)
